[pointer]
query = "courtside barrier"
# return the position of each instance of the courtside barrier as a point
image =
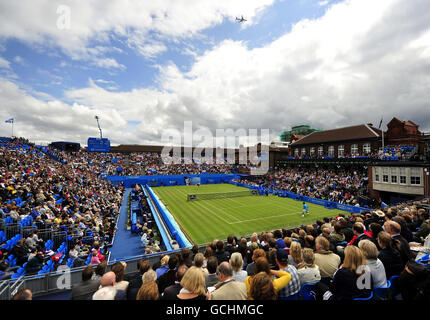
(170, 222)
(172, 180)
(321, 202)
(159, 223)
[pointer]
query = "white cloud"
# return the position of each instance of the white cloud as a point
(361, 60)
(35, 21)
(108, 63)
(4, 63)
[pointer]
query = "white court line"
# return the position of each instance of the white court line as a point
(241, 221)
(279, 215)
(214, 213)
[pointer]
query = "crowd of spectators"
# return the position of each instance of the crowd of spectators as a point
(338, 185)
(66, 201)
(332, 254)
(398, 152)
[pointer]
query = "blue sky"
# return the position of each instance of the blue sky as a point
(51, 71)
(146, 67)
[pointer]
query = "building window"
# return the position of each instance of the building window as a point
(331, 151)
(296, 152)
(341, 151)
(385, 174)
(312, 151)
(354, 150)
(303, 151)
(402, 174)
(377, 174)
(320, 151)
(415, 176)
(393, 175)
(366, 148)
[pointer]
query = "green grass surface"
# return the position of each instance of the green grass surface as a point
(206, 220)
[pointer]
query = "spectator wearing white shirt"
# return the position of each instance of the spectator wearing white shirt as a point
(377, 269)
(308, 271)
(236, 263)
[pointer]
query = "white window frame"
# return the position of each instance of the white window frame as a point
(330, 152)
(402, 174)
(394, 174)
(367, 148)
(354, 149)
(339, 149)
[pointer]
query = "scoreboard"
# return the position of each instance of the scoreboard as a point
(98, 145)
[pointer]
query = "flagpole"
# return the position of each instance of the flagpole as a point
(12, 128)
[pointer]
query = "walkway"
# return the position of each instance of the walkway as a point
(126, 244)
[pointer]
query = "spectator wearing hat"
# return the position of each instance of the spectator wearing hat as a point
(293, 286)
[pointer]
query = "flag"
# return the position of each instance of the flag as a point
(380, 124)
(9, 120)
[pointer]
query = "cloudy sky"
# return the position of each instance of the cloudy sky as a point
(145, 67)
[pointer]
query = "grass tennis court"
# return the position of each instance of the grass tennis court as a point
(206, 220)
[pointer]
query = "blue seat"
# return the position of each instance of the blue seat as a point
(368, 298)
(15, 276)
(382, 292)
(21, 271)
(306, 291)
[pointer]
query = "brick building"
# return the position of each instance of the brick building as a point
(353, 141)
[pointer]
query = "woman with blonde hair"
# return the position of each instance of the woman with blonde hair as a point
(149, 288)
(295, 256)
(236, 263)
(346, 283)
(193, 285)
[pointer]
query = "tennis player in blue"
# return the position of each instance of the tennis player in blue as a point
(305, 209)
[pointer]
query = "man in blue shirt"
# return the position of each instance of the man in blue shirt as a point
(305, 209)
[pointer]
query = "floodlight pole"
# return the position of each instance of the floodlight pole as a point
(98, 124)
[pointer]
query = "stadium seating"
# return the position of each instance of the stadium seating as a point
(306, 291)
(382, 293)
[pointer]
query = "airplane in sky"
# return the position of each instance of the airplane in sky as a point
(241, 19)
